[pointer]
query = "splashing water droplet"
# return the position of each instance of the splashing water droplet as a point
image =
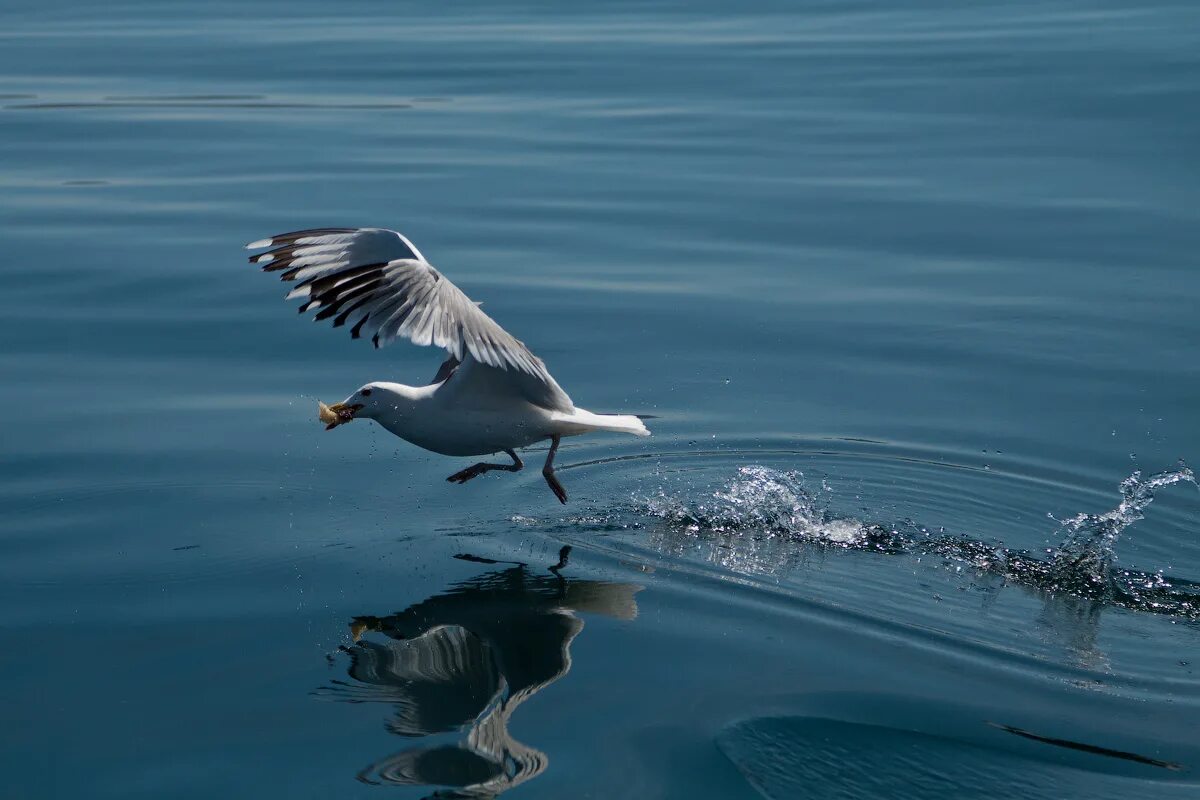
(1082, 564)
(761, 500)
(763, 503)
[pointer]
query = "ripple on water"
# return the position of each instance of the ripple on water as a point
(935, 546)
(241, 544)
(762, 501)
(787, 757)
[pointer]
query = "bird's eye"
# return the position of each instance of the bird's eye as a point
(365, 393)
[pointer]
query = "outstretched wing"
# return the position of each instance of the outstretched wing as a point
(378, 282)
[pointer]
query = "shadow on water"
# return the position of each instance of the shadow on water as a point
(457, 666)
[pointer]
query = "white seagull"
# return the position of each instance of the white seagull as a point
(491, 395)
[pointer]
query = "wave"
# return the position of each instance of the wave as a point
(764, 502)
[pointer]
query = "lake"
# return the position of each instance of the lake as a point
(909, 292)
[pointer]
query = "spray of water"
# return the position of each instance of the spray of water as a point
(763, 503)
(1082, 565)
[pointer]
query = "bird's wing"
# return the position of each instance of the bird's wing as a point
(474, 379)
(379, 282)
(447, 369)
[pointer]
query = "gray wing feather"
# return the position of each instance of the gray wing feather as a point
(474, 377)
(379, 282)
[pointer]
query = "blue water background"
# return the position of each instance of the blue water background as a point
(939, 258)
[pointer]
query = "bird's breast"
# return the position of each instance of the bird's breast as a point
(469, 432)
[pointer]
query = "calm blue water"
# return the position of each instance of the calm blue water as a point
(908, 289)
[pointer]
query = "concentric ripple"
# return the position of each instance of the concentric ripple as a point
(765, 501)
(764, 517)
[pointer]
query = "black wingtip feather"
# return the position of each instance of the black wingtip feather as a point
(345, 315)
(283, 262)
(279, 238)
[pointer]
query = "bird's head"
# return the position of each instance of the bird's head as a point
(377, 401)
(362, 403)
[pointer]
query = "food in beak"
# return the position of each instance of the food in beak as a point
(336, 414)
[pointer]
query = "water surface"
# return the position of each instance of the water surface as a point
(912, 296)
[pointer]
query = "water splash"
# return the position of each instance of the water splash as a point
(763, 504)
(763, 501)
(1083, 564)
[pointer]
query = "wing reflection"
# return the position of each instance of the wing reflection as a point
(459, 664)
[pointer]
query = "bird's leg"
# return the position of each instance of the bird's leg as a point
(482, 467)
(548, 472)
(564, 555)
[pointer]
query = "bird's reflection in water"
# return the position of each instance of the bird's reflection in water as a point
(461, 662)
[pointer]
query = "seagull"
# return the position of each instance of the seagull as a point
(491, 395)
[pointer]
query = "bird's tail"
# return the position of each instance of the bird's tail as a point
(580, 421)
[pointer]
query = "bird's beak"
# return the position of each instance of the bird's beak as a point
(336, 414)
